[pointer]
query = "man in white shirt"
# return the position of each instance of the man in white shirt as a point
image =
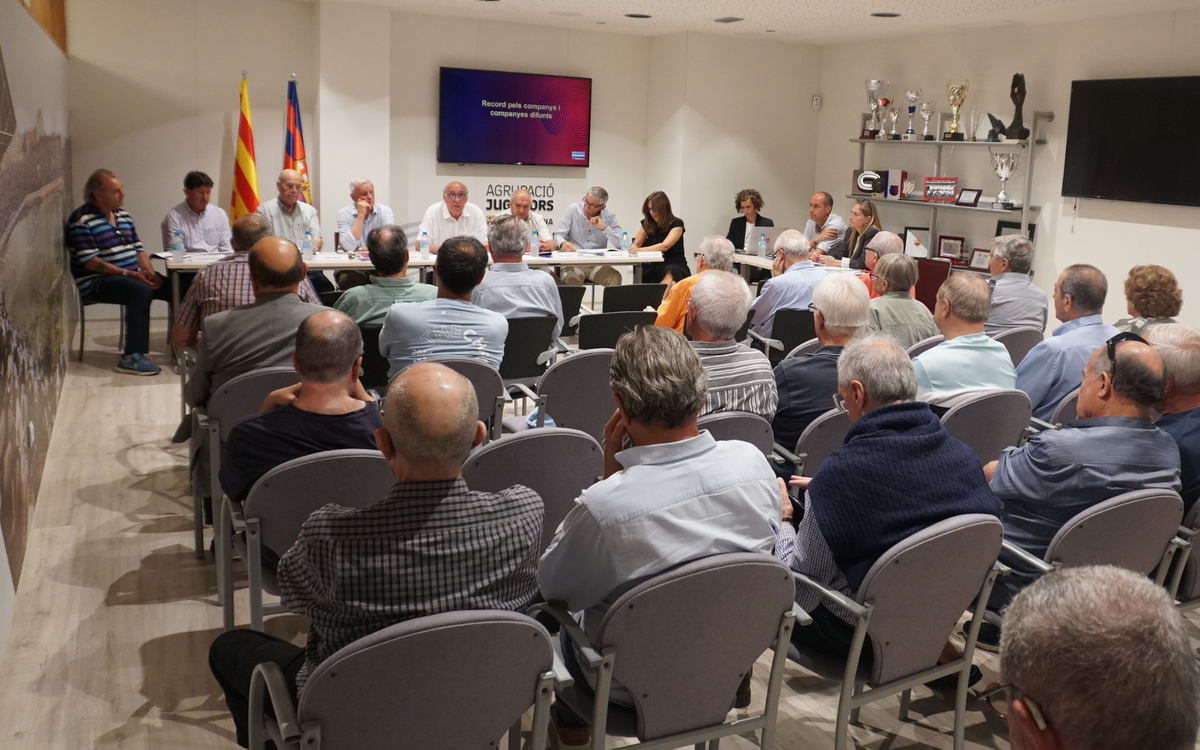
(824, 227)
(291, 218)
(519, 206)
(204, 228)
(453, 217)
(355, 221)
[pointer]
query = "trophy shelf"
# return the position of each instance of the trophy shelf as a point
(880, 201)
(1022, 144)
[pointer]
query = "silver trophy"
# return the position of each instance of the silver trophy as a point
(913, 97)
(876, 101)
(973, 123)
(926, 110)
(1004, 165)
(893, 115)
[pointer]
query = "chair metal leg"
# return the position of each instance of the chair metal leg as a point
(222, 532)
(541, 712)
(197, 522)
(82, 324)
(514, 736)
(904, 699)
(254, 564)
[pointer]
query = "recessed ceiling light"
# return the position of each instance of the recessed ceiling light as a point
(636, 15)
(600, 23)
(563, 13)
(727, 19)
(886, 15)
(770, 31)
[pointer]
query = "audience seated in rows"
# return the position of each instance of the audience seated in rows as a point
(431, 546)
(1152, 297)
(1112, 448)
(677, 495)
(327, 410)
(226, 283)
(1054, 368)
(1179, 348)
(739, 378)
(898, 472)
(715, 254)
(792, 282)
(808, 382)
(1016, 301)
(260, 334)
(448, 326)
(1097, 658)
(883, 243)
(895, 312)
(511, 288)
(366, 304)
(967, 360)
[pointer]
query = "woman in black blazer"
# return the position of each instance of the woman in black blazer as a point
(748, 203)
(864, 224)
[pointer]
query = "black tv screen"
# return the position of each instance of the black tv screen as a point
(1134, 139)
(494, 117)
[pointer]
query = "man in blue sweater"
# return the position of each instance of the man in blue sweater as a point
(897, 473)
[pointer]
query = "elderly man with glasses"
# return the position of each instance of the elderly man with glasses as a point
(1112, 448)
(791, 288)
(589, 225)
(453, 216)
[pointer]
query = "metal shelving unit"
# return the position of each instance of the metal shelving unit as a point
(1025, 210)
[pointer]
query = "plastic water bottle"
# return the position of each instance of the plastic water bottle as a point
(532, 249)
(762, 245)
(625, 241)
(306, 250)
(423, 244)
(177, 249)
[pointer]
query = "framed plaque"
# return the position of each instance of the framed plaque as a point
(968, 197)
(916, 242)
(1013, 227)
(941, 189)
(951, 248)
(980, 258)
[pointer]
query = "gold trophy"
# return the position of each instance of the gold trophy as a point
(957, 94)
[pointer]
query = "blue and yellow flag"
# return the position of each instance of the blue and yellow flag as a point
(293, 143)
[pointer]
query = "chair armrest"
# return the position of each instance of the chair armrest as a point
(269, 676)
(802, 617)
(1038, 425)
(201, 417)
(572, 629)
(524, 391)
(1026, 557)
(562, 676)
(766, 342)
(1186, 533)
(548, 355)
(237, 516)
(583, 310)
(836, 596)
(785, 453)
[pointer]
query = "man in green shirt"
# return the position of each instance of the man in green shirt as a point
(368, 304)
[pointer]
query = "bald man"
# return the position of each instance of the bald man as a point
(291, 217)
(261, 334)
(521, 206)
(351, 571)
(453, 216)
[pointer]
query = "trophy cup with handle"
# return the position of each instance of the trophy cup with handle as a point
(957, 94)
(1004, 164)
(926, 110)
(913, 97)
(876, 102)
(893, 115)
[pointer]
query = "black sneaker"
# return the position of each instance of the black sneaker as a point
(949, 683)
(989, 637)
(742, 700)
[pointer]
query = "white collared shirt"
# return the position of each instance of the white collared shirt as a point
(204, 232)
(535, 224)
(442, 226)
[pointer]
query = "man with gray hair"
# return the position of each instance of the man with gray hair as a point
(512, 288)
(739, 378)
(430, 546)
(1053, 369)
(368, 303)
(589, 225)
(715, 253)
(1112, 448)
(356, 220)
(791, 287)
(968, 359)
(1179, 347)
(806, 383)
(1016, 301)
(1097, 658)
(674, 496)
(521, 206)
(896, 456)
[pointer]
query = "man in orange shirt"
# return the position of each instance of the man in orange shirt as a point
(716, 254)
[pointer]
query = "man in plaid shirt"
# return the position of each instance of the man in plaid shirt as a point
(431, 546)
(225, 284)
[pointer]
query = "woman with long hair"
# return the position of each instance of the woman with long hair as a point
(661, 232)
(851, 251)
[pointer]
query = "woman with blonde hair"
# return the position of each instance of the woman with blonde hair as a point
(661, 232)
(1152, 297)
(895, 312)
(851, 251)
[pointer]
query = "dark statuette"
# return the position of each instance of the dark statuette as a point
(1016, 129)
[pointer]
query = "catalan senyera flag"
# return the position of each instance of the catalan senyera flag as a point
(293, 144)
(245, 173)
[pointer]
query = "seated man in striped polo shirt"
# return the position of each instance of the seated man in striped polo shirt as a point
(739, 378)
(110, 266)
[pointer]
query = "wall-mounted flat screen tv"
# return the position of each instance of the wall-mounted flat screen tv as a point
(494, 117)
(1134, 139)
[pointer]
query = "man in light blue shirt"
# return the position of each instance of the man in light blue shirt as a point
(795, 277)
(1053, 368)
(967, 360)
(589, 225)
(449, 326)
(1016, 301)
(355, 221)
(511, 287)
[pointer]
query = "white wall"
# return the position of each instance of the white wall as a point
(1113, 236)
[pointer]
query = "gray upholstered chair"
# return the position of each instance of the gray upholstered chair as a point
(555, 462)
(527, 349)
(489, 388)
(906, 608)
(1065, 411)
(239, 397)
(989, 421)
(808, 347)
(443, 682)
(278, 505)
(574, 391)
(924, 345)
(681, 643)
(1185, 573)
(1019, 341)
(823, 436)
(602, 330)
(739, 425)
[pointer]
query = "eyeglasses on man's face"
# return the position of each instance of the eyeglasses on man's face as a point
(457, 196)
(839, 403)
(999, 697)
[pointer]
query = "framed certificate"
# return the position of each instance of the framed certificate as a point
(968, 197)
(951, 248)
(980, 258)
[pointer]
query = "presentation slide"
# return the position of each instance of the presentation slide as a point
(492, 117)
